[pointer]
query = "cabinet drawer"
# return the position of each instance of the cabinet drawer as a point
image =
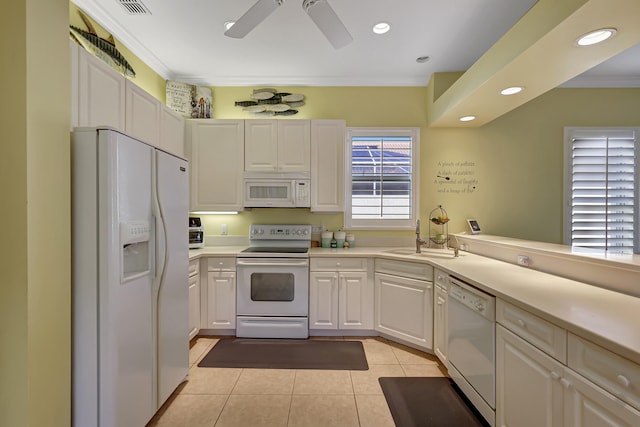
(341, 264)
(617, 375)
(440, 278)
(194, 267)
(544, 335)
(221, 264)
(415, 270)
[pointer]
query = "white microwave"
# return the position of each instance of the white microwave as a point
(277, 190)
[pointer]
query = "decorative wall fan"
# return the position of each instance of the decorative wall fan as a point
(320, 12)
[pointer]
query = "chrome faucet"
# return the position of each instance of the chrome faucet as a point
(419, 241)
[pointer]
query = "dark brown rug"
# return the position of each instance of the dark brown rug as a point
(286, 354)
(428, 402)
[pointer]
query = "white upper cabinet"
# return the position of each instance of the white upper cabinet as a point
(100, 96)
(142, 114)
(327, 165)
(277, 145)
(171, 131)
(215, 149)
(101, 93)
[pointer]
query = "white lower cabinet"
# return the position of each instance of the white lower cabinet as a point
(221, 293)
(404, 301)
(534, 389)
(440, 316)
(589, 405)
(194, 298)
(528, 388)
(340, 294)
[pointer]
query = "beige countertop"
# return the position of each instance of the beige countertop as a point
(608, 318)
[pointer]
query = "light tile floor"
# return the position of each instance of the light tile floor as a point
(224, 397)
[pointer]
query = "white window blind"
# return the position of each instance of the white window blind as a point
(603, 190)
(381, 180)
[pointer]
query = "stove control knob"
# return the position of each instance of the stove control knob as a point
(480, 307)
(305, 232)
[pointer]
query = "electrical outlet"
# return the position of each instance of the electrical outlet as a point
(524, 260)
(317, 229)
(224, 230)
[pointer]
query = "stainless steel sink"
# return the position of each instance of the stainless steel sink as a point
(425, 252)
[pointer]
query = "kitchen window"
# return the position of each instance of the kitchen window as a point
(381, 178)
(601, 189)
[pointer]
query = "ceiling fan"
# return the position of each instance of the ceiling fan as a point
(320, 12)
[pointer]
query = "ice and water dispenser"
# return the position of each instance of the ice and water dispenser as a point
(134, 247)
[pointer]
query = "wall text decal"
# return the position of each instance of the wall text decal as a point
(456, 177)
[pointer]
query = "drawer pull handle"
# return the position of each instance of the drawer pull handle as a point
(624, 381)
(522, 323)
(565, 383)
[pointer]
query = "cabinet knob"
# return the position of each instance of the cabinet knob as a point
(522, 323)
(337, 264)
(623, 381)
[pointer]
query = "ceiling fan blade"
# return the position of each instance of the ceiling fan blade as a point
(323, 15)
(252, 17)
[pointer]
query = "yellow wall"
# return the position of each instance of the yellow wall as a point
(517, 159)
(359, 106)
(520, 160)
(35, 359)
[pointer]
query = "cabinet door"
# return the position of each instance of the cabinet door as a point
(355, 302)
(589, 405)
(101, 93)
(294, 145)
(194, 305)
(142, 119)
(323, 300)
(440, 324)
(216, 158)
(261, 145)
(404, 309)
(221, 300)
(529, 386)
(327, 165)
(171, 131)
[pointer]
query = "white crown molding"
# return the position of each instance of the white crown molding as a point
(297, 81)
(97, 12)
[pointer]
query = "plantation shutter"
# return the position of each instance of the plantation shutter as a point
(603, 190)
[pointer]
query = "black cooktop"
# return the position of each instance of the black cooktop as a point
(273, 250)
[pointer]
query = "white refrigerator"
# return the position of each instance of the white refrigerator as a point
(129, 278)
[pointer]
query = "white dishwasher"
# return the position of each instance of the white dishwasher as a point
(471, 339)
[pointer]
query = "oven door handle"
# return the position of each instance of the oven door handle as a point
(272, 262)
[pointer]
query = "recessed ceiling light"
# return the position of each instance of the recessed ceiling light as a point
(381, 27)
(512, 90)
(421, 59)
(596, 36)
(228, 25)
(467, 118)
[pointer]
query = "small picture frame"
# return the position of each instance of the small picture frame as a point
(474, 226)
